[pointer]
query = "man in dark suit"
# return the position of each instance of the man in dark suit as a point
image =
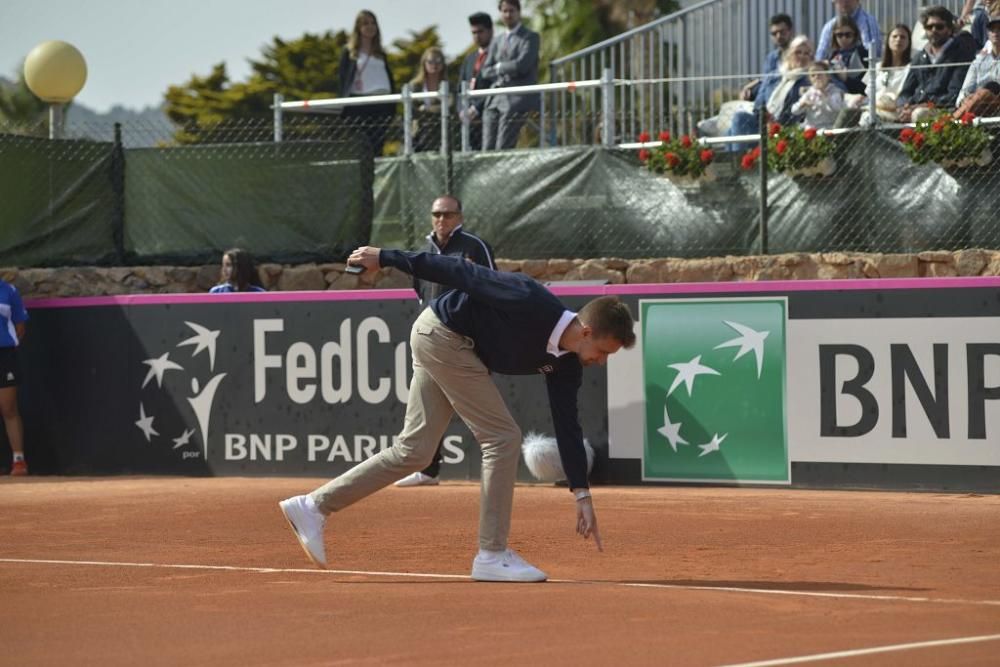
(482, 34)
(512, 61)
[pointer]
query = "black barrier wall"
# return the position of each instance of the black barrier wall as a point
(887, 384)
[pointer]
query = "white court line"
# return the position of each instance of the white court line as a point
(867, 651)
(422, 575)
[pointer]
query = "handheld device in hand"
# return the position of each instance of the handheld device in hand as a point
(354, 268)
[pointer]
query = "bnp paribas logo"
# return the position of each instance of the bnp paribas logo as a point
(162, 419)
(714, 376)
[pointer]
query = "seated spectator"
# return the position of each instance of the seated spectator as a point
(754, 94)
(849, 57)
(822, 101)
(985, 68)
(794, 79)
(951, 52)
(890, 73)
(976, 13)
(865, 22)
(427, 117)
(757, 91)
(238, 273)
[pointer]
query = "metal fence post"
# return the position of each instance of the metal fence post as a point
(278, 119)
(444, 97)
(762, 121)
(608, 108)
(118, 195)
(464, 115)
(407, 120)
(873, 90)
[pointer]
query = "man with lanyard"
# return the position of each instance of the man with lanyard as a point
(871, 35)
(446, 238)
(482, 35)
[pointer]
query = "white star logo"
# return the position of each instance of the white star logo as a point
(712, 446)
(687, 372)
(749, 340)
(184, 438)
(672, 432)
(158, 366)
(145, 423)
(205, 340)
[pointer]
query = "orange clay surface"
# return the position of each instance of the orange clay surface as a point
(183, 571)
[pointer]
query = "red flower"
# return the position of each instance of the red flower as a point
(643, 155)
(686, 141)
(664, 136)
(755, 152)
(773, 129)
(643, 137)
(672, 159)
(707, 156)
(747, 161)
(937, 126)
(810, 133)
(918, 139)
(968, 117)
(781, 147)
(906, 135)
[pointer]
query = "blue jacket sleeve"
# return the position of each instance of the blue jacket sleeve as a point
(510, 290)
(563, 386)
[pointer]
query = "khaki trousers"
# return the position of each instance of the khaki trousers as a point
(448, 377)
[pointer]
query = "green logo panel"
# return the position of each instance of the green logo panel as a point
(714, 386)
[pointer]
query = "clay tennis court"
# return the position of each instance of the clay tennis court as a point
(169, 571)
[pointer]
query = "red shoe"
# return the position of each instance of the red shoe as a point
(19, 468)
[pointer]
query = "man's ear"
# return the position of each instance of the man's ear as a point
(585, 330)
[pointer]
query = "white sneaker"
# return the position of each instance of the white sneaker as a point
(417, 479)
(307, 523)
(504, 566)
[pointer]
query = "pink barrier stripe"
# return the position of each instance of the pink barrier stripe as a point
(563, 290)
(784, 286)
(244, 297)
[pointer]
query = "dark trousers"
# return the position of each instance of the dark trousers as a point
(434, 469)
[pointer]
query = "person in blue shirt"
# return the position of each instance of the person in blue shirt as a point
(489, 322)
(12, 318)
(238, 273)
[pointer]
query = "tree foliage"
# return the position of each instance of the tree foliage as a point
(19, 106)
(300, 69)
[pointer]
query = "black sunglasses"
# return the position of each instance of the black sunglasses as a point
(935, 26)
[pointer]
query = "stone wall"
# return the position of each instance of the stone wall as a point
(97, 281)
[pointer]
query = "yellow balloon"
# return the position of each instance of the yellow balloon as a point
(55, 71)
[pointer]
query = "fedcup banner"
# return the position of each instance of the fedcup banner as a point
(714, 378)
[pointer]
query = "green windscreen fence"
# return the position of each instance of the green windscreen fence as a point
(286, 202)
(56, 202)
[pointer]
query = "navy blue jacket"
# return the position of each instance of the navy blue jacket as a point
(509, 317)
(460, 244)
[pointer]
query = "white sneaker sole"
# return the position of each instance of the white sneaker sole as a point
(302, 541)
(482, 575)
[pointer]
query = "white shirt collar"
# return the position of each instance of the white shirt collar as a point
(564, 321)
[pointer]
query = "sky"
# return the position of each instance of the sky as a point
(135, 49)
